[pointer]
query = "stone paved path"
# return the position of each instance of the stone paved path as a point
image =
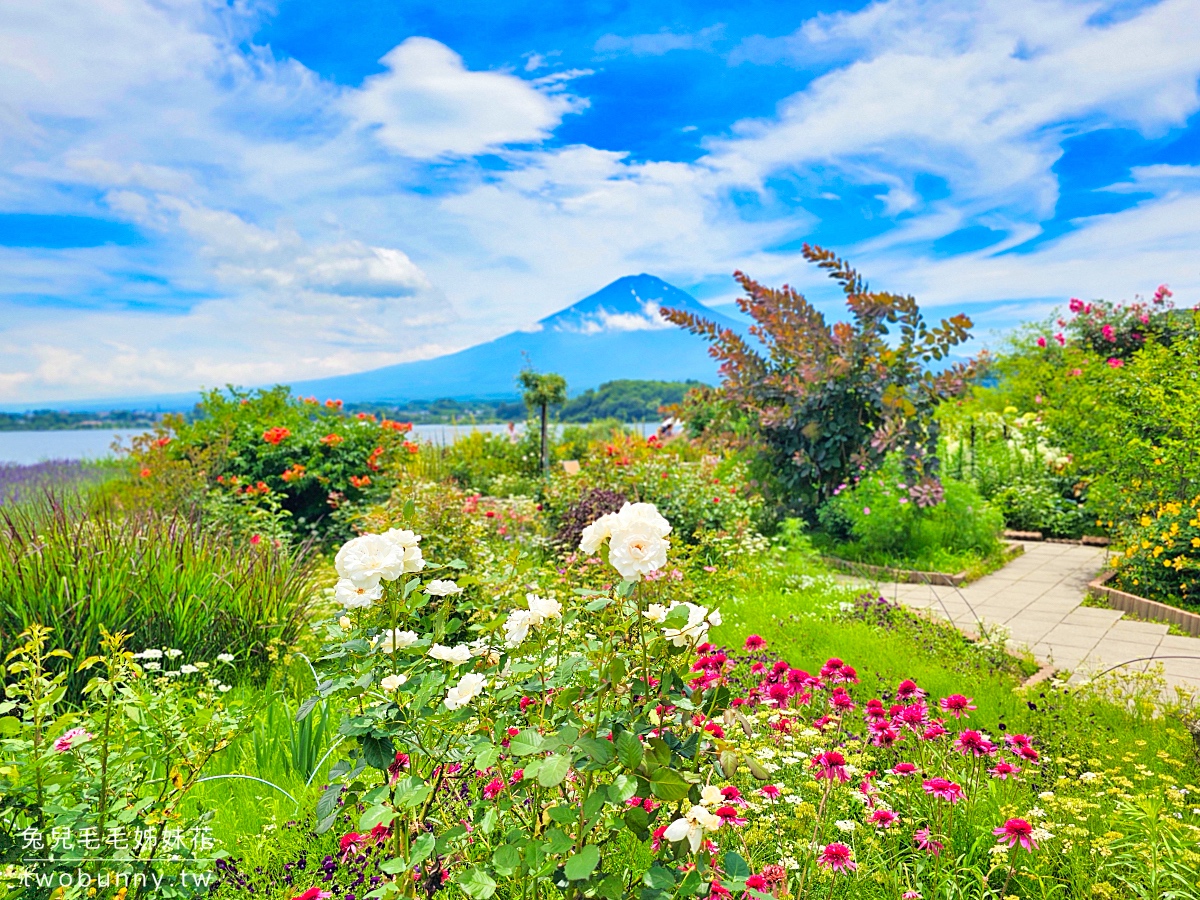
(1037, 597)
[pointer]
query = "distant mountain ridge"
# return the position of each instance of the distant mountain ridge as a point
(615, 333)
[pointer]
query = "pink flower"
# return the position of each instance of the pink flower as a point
(729, 816)
(1076, 305)
(836, 858)
(756, 883)
(914, 717)
(758, 668)
(313, 893)
(1077, 372)
(770, 791)
(911, 895)
(64, 743)
(841, 701)
(493, 789)
(908, 690)
(924, 841)
(1016, 831)
(1114, 363)
(1109, 334)
(973, 743)
(943, 789)
(904, 769)
(883, 818)
(733, 795)
(517, 776)
(884, 736)
(1004, 771)
(1162, 293)
(831, 765)
(1062, 341)
(957, 705)
(657, 837)
(754, 642)
(933, 731)
(1041, 342)
(866, 512)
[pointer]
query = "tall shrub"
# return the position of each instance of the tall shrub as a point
(830, 401)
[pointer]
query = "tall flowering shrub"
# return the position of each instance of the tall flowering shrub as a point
(508, 745)
(828, 401)
(299, 459)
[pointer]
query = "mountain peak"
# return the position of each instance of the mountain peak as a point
(631, 303)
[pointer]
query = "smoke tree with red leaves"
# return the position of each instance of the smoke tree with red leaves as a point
(831, 402)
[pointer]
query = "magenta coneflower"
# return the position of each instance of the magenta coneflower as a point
(733, 795)
(770, 791)
(841, 701)
(1003, 770)
(883, 818)
(972, 743)
(836, 858)
(911, 895)
(754, 642)
(1016, 831)
(1018, 740)
(779, 667)
(780, 694)
(756, 883)
(914, 717)
(874, 711)
(493, 789)
(884, 736)
(943, 789)
(729, 816)
(758, 668)
(797, 679)
(831, 765)
(925, 841)
(831, 665)
(904, 769)
(957, 705)
(933, 731)
(908, 690)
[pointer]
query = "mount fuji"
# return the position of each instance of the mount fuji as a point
(615, 333)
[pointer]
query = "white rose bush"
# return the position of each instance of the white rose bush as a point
(518, 746)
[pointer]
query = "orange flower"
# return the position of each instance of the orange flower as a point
(295, 473)
(372, 460)
(163, 441)
(276, 435)
(145, 473)
(400, 427)
(412, 447)
(360, 481)
(365, 417)
(332, 440)
(333, 404)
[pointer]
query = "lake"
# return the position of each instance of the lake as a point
(27, 447)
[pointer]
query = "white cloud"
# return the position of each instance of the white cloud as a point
(429, 105)
(658, 43)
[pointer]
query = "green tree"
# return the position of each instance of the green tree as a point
(830, 402)
(543, 390)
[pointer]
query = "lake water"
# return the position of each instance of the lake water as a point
(27, 447)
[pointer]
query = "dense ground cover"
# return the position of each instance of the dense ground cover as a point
(292, 653)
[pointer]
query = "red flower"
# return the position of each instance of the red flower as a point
(145, 473)
(754, 642)
(360, 481)
(908, 690)
(276, 435)
(295, 473)
(256, 539)
(333, 404)
(313, 893)
(331, 439)
(493, 789)
(770, 791)
(1016, 831)
(756, 883)
(831, 765)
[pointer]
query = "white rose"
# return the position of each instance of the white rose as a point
(457, 655)
(391, 641)
(694, 631)
(481, 647)
(392, 682)
(407, 542)
(646, 515)
(543, 608)
(516, 627)
(692, 826)
(636, 550)
(597, 533)
(468, 688)
(369, 558)
(442, 588)
(353, 596)
(711, 796)
(656, 613)
(345, 623)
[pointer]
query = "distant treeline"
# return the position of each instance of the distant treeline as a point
(627, 400)
(61, 420)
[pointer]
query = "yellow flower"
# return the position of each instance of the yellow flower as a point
(1146, 520)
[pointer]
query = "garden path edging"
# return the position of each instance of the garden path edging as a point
(1143, 608)
(916, 576)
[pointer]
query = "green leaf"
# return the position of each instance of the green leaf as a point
(506, 859)
(735, 866)
(563, 814)
(422, 849)
(553, 770)
(557, 841)
(328, 804)
(526, 742)
(659, 878)
(378, 752)
(729, 763)
(306, 707)
(477, 883)
(583, 863)
(485, 756)
(629, 750)
(756, 769)
(376, 815)
(667, 784)
(593, 804)
(600, 751)
(622, 788)
(597, 605)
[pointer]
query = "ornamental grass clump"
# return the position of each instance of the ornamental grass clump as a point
(165, 580)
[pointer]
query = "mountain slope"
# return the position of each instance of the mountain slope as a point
(614, 333)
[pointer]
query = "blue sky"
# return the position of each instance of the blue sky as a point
(193, 193)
